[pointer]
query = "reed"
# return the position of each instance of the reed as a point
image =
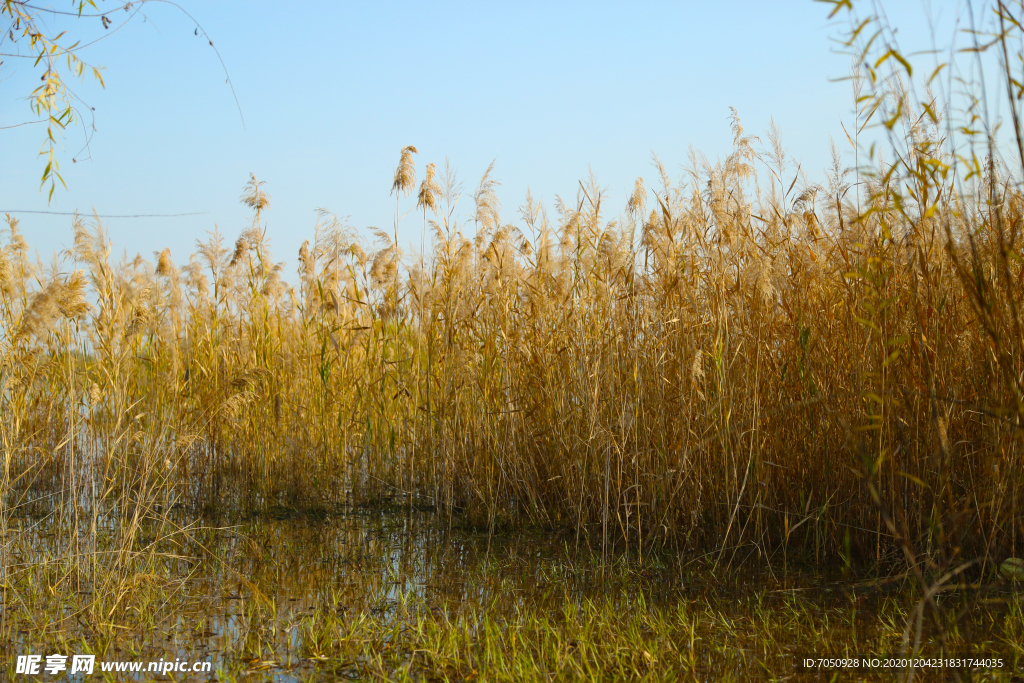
(751, 363)
(739, 359)
(739, 365)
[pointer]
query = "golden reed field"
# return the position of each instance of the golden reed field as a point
(745, 366)
(733, 362)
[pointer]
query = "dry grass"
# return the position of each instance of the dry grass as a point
(749, 364)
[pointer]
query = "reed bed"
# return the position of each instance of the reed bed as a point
(741, 359)
(741, 362)
(740, 365)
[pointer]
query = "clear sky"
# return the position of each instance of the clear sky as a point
(331, 92)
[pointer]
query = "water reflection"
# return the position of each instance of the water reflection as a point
(272, 597)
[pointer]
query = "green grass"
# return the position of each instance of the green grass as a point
(389, 596)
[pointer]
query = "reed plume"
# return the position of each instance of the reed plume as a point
(429, 191)
(254, 196)
(405, 174)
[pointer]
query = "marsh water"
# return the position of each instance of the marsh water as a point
(346, 594)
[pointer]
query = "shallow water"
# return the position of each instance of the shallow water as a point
(380, 563)
(276, 599)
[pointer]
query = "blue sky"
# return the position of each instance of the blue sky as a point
(331, 92)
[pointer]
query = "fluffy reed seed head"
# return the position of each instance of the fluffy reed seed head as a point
(637, 203)
(405, 175)
(83, 241)
(71, 297)
(384, 268)
(254, 196)
(251, 239)
(357, 253)
(486, 200)
(273, 285)
(241, 246)
(164, 265)
(307, 263)
(429, 191)
(59, 299)
(195, 278)
(6, 279)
